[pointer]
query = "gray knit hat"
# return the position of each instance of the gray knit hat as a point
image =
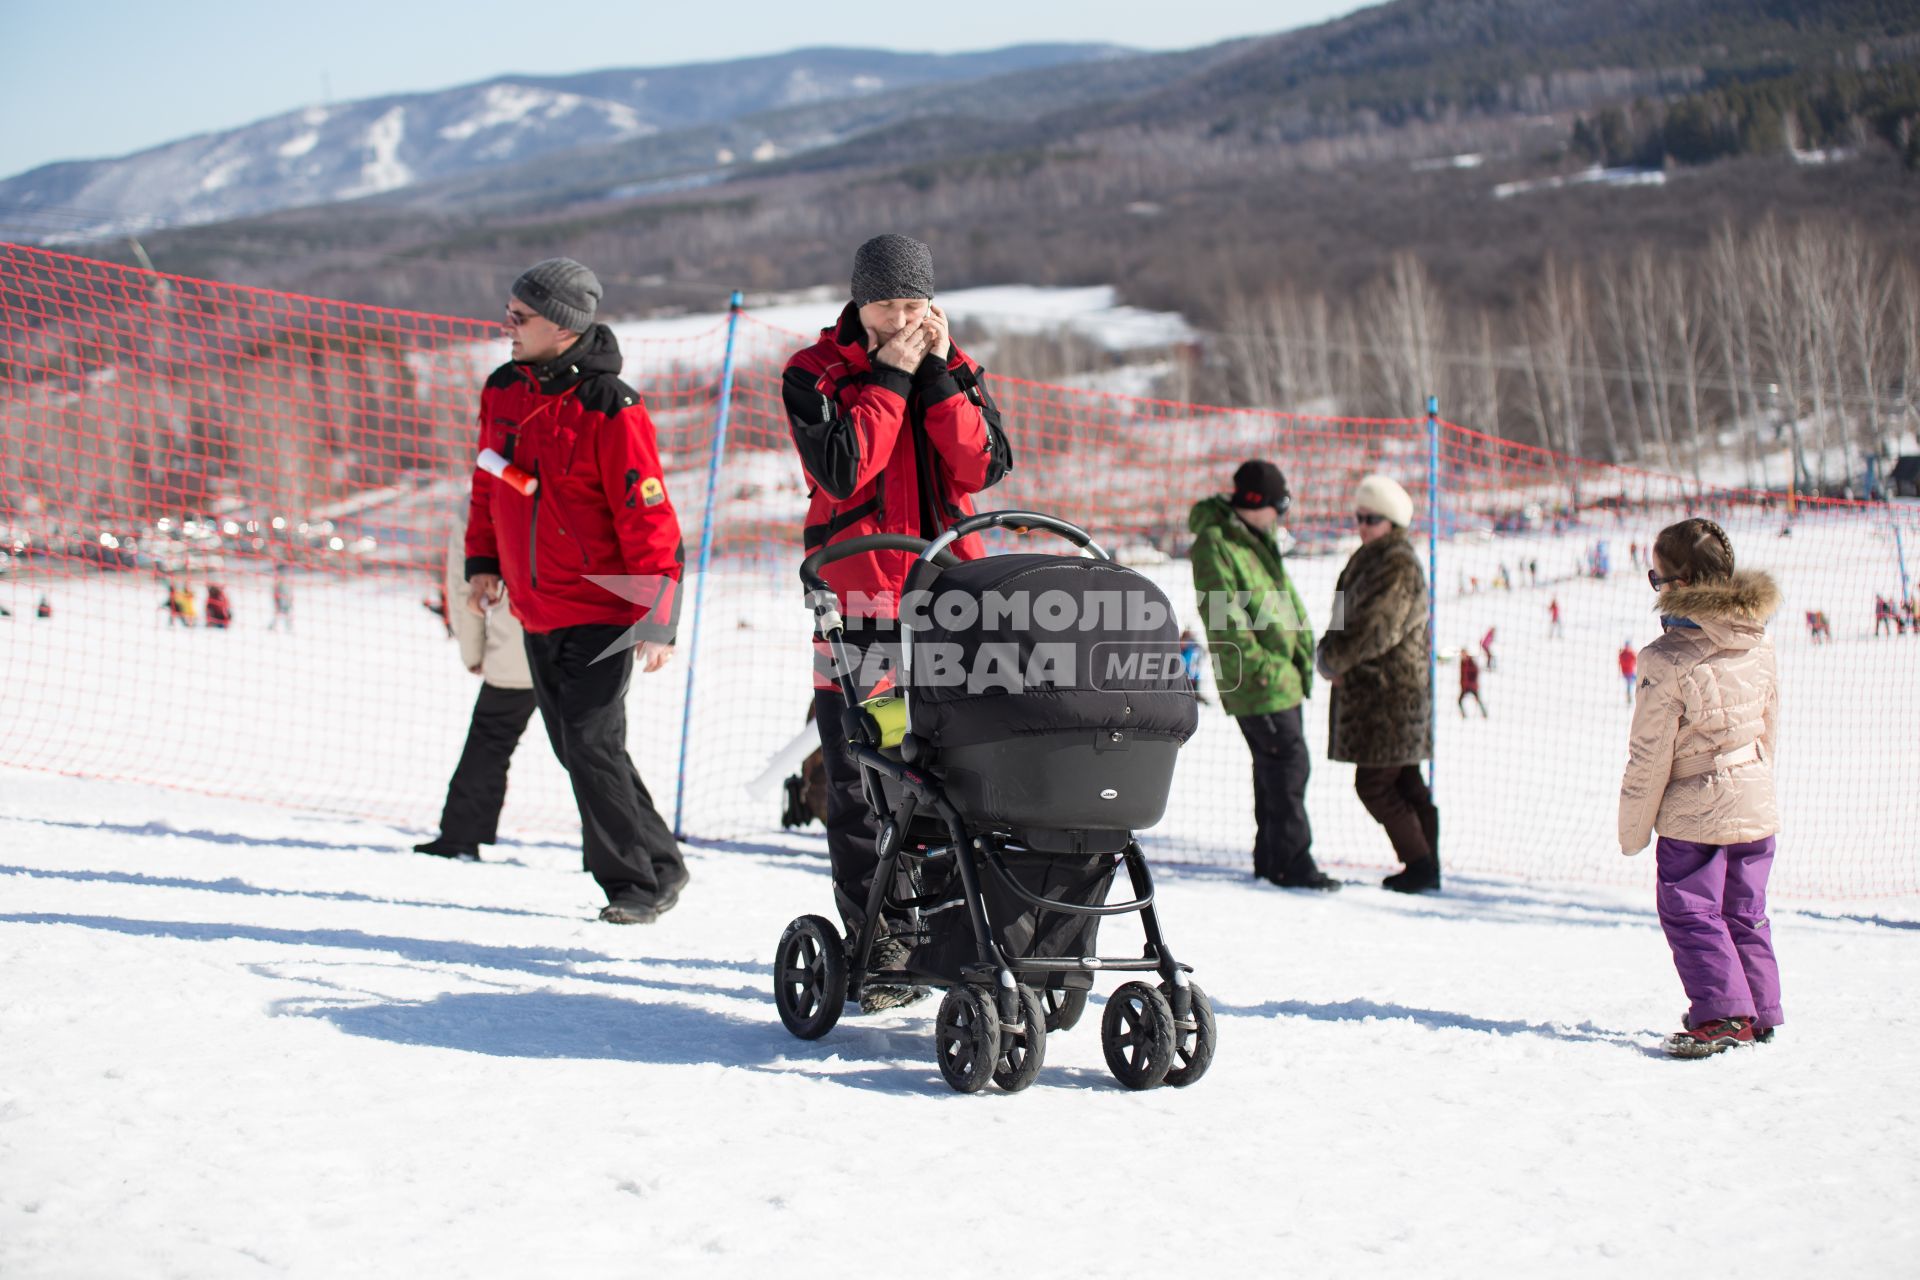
(892, 266)
(561, 290)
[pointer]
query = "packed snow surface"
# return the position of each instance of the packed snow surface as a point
(240, 1041)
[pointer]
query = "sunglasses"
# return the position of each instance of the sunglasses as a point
(517, 318)
(1368, 518)
(1655, 581)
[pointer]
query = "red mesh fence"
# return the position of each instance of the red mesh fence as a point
(159, 432)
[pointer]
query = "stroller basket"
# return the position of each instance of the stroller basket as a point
(945, 943)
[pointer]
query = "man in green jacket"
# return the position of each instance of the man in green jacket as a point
(1263, 661)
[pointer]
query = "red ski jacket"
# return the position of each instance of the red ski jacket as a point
(888, 452)
(1629, 661)
(601, 506)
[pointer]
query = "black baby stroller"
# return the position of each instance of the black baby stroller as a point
(1042, 701)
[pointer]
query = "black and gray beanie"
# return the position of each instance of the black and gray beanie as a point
(561, 290)
(892, 266)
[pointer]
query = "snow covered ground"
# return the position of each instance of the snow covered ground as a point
(243, 1041)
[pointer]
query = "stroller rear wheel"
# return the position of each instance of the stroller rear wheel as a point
(966, 1037)
(1192, 1046)
(810, 977)
(1137, 1033)
(1024, 1048)
(1064, 1006)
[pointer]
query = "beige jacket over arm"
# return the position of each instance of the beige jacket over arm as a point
(494, 643)
(1706, 719)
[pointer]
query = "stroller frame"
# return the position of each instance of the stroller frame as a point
(976, 854)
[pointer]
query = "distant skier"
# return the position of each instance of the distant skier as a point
(219, 608)
(282, 599)
(1554, 629)
(1486, 648)
(1883, 616)
(1629, 666)
(1193, 656)
(1469, 685)
(176, 610)
(44, 609)
(1819, 631)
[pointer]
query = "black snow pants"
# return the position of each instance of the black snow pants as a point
(583, 700)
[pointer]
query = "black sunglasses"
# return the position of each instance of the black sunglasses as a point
(1655, 581)
(1368, 517)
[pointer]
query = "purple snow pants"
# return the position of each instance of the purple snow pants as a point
(1713, 906)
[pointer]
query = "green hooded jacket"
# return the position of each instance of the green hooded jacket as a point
(1257, 629)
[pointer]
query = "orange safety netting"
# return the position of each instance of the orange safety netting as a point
(162, 436)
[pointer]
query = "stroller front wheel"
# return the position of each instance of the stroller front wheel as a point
(1192, 1046)
(1023, 1048)
(810, 977)
(1137, 1032)
(966, 1037)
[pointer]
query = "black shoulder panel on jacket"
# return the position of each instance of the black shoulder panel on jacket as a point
(505, 376)
(605, 394)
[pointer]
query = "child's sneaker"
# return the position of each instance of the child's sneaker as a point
(1710, 1038)
(1762, 1035)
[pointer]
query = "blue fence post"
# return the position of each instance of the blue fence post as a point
(1433, 583)
(706, 557)
(1900, 551)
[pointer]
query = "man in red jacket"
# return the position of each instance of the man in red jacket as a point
(589, 561)
(896, 432)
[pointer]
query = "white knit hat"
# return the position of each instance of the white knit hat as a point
(1383, 496)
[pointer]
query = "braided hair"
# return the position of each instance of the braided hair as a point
(1696, 549)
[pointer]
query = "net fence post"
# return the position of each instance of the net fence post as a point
(706, 556)
(1900, 553)
(1433, 585)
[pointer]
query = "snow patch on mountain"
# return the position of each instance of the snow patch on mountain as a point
(385, 170)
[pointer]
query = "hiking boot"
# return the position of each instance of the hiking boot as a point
(1419, 877)
(1710, 1038)
(1315, 879)
(888, 953)
(441, 847)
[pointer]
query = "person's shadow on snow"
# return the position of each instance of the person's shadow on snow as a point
(547, 1024)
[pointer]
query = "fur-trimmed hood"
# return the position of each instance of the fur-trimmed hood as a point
(1733, 613)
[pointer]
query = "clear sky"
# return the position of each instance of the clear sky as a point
(106, 77)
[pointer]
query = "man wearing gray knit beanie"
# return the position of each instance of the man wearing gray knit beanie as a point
(562, 293)
(569, 524)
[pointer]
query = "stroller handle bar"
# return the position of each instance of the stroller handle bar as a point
(810, 567)
(1020, 522)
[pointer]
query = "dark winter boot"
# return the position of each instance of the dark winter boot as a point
(1314, 879)
(441, 847)
(1419, 877)
(630, 908)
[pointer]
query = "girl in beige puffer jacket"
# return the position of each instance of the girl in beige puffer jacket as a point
(1700, 771)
